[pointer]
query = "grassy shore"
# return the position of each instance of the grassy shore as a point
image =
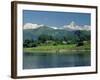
(58, 48)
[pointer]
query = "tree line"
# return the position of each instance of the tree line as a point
(53, 40)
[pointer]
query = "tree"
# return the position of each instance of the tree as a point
(65, 38)
(29, 43)
(43, 38)
(80, 38)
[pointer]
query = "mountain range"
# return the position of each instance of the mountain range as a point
(33, 31)
(71, 26)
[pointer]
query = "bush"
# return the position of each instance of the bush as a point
(54, 44)
(80, 44)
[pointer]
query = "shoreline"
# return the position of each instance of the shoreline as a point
(57, 49)
(54, 51)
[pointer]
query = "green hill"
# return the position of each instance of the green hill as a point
(55, 33)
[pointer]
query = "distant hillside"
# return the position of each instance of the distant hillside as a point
(56, 33)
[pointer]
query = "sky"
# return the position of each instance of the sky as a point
(55, 19)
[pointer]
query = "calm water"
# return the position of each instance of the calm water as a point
(51, 60)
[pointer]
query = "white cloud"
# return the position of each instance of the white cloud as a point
(87, 27)
(31, 26)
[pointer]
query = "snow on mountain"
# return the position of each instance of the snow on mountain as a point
(32, 26)
(54, 27)
(73, 26)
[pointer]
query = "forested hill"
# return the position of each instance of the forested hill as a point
(58, 34)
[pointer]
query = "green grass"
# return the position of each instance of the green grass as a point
(57, 48)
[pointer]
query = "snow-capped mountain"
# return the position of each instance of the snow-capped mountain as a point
(33, 31)
(73, 26)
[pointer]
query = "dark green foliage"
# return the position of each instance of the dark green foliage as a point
(29, 43)
(43, 38)
(80, 43)
(48, 36)
(82, 36)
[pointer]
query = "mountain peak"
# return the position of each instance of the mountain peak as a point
(73, 26)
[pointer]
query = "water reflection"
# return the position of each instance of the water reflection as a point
(51, 60)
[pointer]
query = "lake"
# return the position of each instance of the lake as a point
(53, 60)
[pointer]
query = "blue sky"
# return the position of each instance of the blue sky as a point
(56, 19)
